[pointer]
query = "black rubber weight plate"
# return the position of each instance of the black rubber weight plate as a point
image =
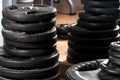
(80, 55)
(104, 11)
(55, 77)
(26, 37)
(28, 27)
(86, 1)
(32, 45)
(75, 57)
(28, 52)
(80, 31)
(30, 74)
(96, 18)
(83, 71)
(96, 25)
(87, 49)
(93, 42)
(21, 13)
(101, 4)
(28, 63)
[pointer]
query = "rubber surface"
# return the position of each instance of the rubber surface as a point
(32, 45)
(96, 25)
(105, 11)
(75, 72)
(26, 13)
(29, 63)
(83, 32)
(26, 37)
(56, 77)
(28, 27)
(84, 16)
(93, 41)
(29, 74)
(101, 4)
(28, 52)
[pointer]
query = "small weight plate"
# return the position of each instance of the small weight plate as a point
(28, 27)
(26, 37)
(28, 13)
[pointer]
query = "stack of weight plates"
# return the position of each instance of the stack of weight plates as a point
(99, 69)
(90, 37)
(29, 51)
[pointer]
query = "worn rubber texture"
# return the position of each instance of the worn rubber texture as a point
(29, 74)
(32, 45)
(83, 32)
(26, 37)
(26, 13)
(29, 63)
(28, 52)
(104, 11)
(96, 25)
(101, 4)
(84, 71)
(88, 49)
(28, 27)
(96, 18)
(56, 77)
(93, 41)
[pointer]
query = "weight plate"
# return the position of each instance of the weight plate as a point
(86, 1)
(29, 63)
(56, 77)
(93, 41)
(32, 45)
(28, 52)
(87, 49)
(88, 55)
(26, 37)
(97, 18)
(28, 27)
(83, 32)
(104, 11)
(29, 74)
(106, 76)
(96, 25)
(28, 13)
(84, 71)
(102, 4)
(106, 68)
